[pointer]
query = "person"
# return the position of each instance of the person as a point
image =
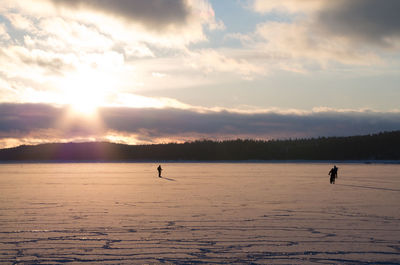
(335, 168)
(333, 174)
(159, 171)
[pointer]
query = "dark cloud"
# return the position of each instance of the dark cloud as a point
(373, 21)
(156, 14)
(24, 118)
(179, 124)
(171, 122)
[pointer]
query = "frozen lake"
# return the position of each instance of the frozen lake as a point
(226, 213)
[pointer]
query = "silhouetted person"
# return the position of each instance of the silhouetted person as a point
(159, 171)
(335, 171)
(333, 174)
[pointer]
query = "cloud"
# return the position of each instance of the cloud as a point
(24, 118)
(272, 124)
(64, 34)
(292, 6)
(147, 125)
(297, 41)
(48, 46)
(42, 59)
(356, 32)
(20, 22)
(3, 32)
(154, 14)
(371, 21)
(163, 23)
(32, 66)
(209, 60)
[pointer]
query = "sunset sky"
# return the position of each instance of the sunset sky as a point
(157, 71)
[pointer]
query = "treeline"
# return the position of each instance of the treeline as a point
(382, 146)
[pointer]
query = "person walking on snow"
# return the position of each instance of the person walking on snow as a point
(159, 171)
(333, 174)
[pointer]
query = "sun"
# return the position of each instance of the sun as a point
(84, 101)
(85, 92)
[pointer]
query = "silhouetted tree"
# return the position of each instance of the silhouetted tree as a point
(382, 146)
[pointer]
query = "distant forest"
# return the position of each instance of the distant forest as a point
(382, 146)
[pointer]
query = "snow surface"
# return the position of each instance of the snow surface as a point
(199, 213)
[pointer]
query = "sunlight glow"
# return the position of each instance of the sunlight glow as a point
(84, 101)
(86, 91)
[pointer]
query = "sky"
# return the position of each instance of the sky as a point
(159, 71)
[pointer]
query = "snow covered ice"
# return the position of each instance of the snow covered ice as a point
(202, 213)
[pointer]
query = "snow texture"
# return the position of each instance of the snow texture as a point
(199, 213)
